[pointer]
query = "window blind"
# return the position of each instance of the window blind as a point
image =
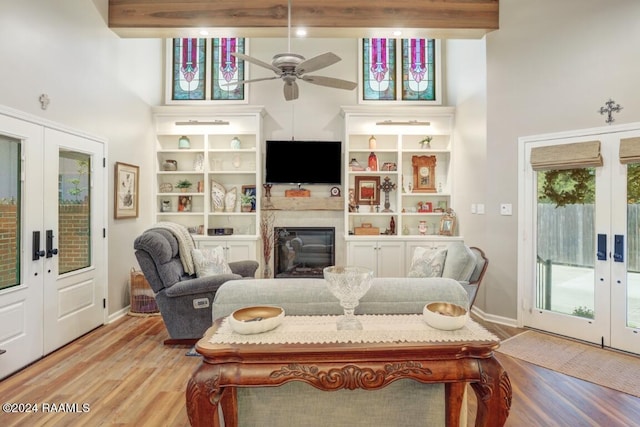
(566, 156)
(630, 150)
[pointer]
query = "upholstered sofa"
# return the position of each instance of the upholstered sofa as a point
(183, 298)
(457, 261)
(402, 403)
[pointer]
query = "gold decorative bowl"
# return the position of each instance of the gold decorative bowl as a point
(257, 319)
(445, 316)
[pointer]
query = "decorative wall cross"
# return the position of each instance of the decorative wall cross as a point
(387, 186)
(609, 110)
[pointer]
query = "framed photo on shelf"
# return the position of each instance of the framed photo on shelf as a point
(126, 191)
(184, 203)
(250, 189)
(367, 190)
(448, 223)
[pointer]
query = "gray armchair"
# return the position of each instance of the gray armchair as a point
(183, 299)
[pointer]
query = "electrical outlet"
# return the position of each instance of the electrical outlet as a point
(506, 209)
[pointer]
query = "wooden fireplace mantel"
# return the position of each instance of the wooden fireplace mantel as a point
(279, 203)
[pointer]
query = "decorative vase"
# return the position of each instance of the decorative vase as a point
(348, 284)
(230, 200)
(373, 161)
(422, 228)
(217, 197)
(184, 142)
(372, 143)
(170, 165)
(235, 143)
(198, 163)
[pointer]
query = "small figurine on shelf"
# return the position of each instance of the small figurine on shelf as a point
(392, 226)
(422, 228)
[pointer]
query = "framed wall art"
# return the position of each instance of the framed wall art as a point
(367, 190)
(125, 191)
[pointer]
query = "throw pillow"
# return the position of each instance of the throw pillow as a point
(427, 262)
(461, 261)
(210, 261)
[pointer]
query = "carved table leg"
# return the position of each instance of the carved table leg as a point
(203, 395)
(493, 392)
(454, 393)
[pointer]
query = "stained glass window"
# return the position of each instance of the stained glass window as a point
(418, 74)
(402, 70)
(379, 69)
(227, 70)
(189, 69)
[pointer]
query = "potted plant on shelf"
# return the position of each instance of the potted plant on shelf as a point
(246, 201)
(184, 185)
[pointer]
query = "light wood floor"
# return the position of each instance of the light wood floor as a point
(128, 378)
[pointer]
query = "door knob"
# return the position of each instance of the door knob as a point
(51, 251)
(37, 253)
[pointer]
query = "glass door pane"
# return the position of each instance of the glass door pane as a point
(633, 246)
(74, 211)
(9, 212)
(565, 276)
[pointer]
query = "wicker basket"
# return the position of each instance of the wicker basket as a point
(143, 301)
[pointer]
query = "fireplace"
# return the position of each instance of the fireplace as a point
(303, 251)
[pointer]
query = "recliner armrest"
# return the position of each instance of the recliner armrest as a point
(244, 268)
(199, 285)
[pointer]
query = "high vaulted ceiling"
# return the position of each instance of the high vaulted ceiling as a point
(321, 18)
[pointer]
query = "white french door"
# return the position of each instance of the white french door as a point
(52, 268)
(577, 271)
(74, 244)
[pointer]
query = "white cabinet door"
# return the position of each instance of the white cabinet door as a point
(386, 259)
(234, 250)
(390, 259)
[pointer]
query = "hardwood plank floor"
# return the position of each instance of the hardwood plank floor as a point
(127, 377)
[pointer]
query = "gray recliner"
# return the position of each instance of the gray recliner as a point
(184, 300)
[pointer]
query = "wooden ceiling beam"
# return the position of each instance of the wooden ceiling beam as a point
(322, 18)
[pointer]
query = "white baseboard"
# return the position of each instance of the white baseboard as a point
(118, 314)
(494, 319)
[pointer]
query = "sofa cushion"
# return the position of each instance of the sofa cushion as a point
(427, 262)
(459, 263)
(210, 262)
(310, 296)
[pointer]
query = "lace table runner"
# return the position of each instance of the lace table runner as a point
(376, 329)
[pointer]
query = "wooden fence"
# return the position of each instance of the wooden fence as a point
(566, 235)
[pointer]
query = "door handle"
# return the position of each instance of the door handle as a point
(51, 251)
(37, 253)
(618, 248)
(601, 252)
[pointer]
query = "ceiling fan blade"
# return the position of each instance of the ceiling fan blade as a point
(241, 82)
(330, 82)
(290, 90)
(317, 62)
(257, 62)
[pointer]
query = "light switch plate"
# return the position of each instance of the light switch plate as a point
(506, 209)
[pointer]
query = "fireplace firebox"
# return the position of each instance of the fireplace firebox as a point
(303, 251)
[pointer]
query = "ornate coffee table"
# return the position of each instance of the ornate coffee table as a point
(229, 363)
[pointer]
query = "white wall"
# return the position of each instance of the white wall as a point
(550, 67)
(97, 83)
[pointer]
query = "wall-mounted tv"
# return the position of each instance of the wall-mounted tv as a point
(303, 162)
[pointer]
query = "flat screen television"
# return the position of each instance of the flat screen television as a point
(303, 162)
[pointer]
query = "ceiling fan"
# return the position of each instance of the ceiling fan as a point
(291, 66)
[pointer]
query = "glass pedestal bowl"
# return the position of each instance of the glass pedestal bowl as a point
(348, 284)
